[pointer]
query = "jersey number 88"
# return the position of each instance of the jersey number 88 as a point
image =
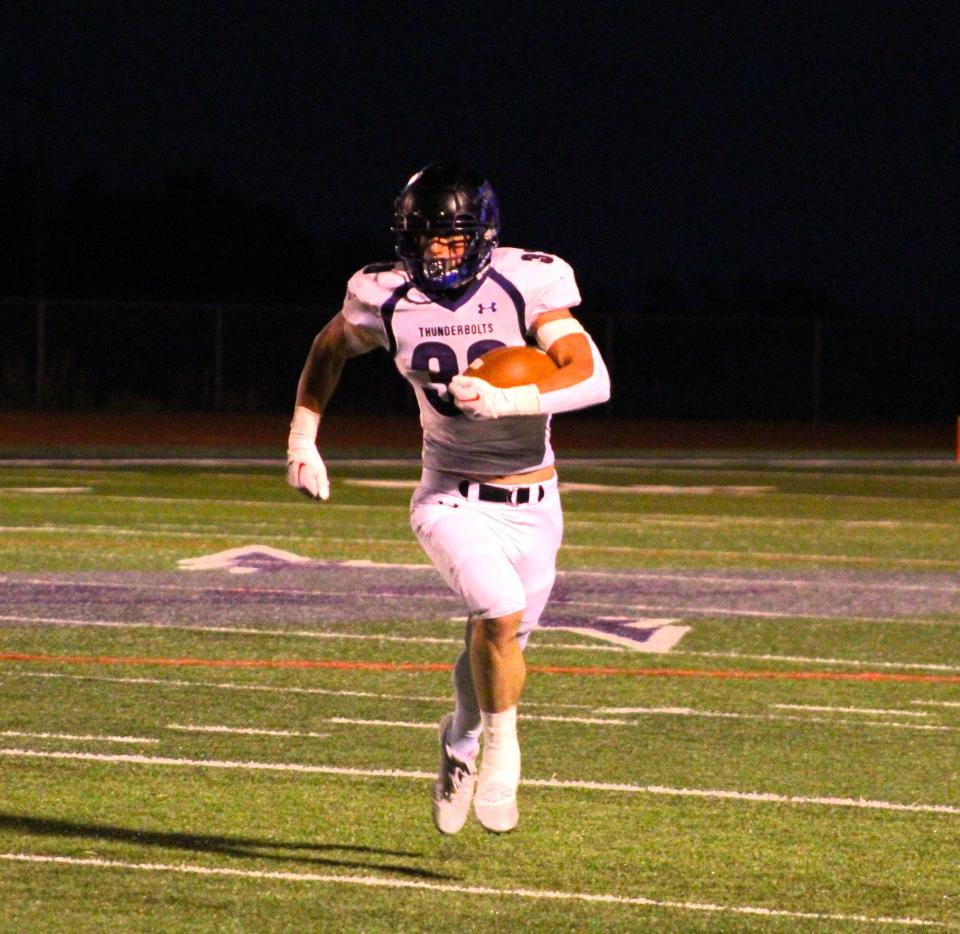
(441, 363)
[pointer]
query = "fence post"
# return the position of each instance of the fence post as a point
(218, 359)
(817, 371)
(41, 355)
(609, 340)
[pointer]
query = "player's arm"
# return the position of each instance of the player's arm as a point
(581, 378)
(331, 348)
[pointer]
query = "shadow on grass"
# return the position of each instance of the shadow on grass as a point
(250, 847)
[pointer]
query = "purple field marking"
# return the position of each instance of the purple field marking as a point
(601, 625)
(330, 593)
(329, 585)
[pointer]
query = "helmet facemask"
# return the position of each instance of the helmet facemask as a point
(441, 273)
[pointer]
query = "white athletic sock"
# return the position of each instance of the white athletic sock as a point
(463, 741)
(463, 737)
(501, 747)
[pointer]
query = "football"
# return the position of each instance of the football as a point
(504, 367)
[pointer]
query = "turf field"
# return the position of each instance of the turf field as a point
(742, 713)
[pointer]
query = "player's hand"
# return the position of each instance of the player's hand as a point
(477, 398)
(306, 471)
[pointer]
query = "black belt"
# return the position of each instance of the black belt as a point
(516, 496)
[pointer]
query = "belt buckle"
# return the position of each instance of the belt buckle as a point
(519, 495)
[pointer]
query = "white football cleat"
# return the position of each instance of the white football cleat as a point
(453, 789)
(495, 803)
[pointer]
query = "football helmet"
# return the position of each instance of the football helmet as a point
(443, 200)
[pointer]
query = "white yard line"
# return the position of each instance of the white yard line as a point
(679, 610)
(401, 724)
(85, 738)
(747, 462)
(676, 611)
(556, 718)
(864, 710)
(680, 520)
(243, 731)
(231, 630)
(45, 490)
(664, 489)
(804, 556)
(232, 587)
(292, 633)
(235, 686)
(231, 686)
(536, 645)
(695, 521)
(248, 503)
(811, 583)
(253, 731)
(858, 560)
(444, 888)
(729, 715)
(577, 785)
(164, 533)
(817, 660)
(671, 712)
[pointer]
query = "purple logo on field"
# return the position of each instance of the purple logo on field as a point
(641, 635)
(247, 559)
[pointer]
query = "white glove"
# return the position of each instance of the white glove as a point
(305, 468)
(477, 398)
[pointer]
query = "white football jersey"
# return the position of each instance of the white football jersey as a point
(432, 339)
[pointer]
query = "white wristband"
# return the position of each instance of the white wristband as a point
(522, 400)
(305, 425)
(477, 398)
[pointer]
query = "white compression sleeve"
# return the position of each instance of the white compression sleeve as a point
(591, 391)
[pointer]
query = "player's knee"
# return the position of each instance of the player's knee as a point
(498, 630)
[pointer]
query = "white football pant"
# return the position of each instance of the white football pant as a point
(499, 557)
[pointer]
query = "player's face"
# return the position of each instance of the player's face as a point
(453, 248)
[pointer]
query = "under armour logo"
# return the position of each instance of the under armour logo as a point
(481, 308)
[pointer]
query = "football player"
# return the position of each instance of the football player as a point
(487, 511)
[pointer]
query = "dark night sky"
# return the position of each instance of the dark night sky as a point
(816, 142)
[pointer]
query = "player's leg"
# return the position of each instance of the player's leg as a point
(496, 661)
(498, 665)
(464, 545)
(499, 673)
(488, 678)
(489, 674)
(463, 733)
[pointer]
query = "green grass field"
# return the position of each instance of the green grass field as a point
(207, 751)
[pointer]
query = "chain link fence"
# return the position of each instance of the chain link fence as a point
(118, 356)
